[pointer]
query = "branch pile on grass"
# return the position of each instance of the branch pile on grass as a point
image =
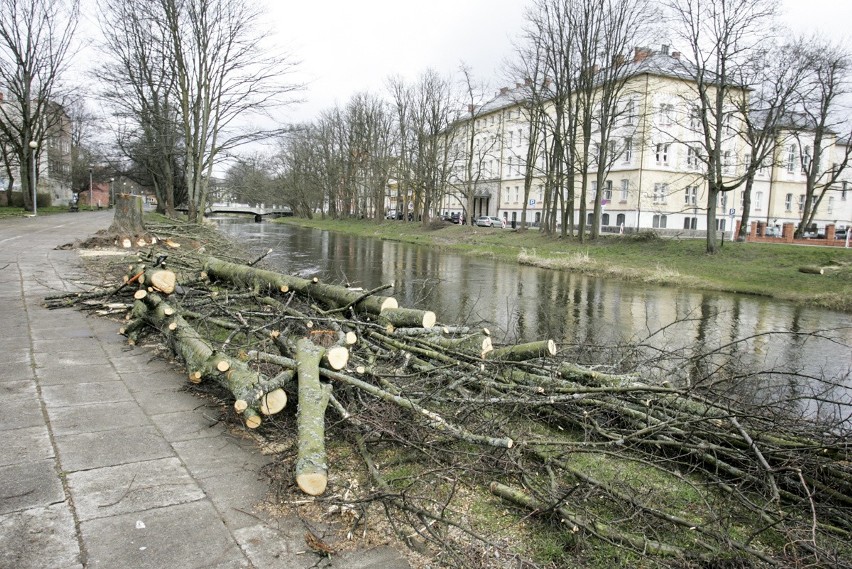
(441, 416)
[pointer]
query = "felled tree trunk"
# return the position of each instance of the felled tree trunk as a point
(332, 295)
(311, 464)
(127, 226)
(252, 391)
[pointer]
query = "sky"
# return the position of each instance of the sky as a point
(345, 47)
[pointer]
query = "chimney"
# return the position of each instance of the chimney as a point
(640, 53)
(664, 49)
(503, 90)
(676, 54)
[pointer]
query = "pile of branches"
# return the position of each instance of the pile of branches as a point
(602, 459)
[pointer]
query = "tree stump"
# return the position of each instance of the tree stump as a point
(127, 223)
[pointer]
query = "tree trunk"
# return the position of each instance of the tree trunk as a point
(312, 463)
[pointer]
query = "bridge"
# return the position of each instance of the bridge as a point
(259, 211)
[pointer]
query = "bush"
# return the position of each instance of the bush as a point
(43, 200)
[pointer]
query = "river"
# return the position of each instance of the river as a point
(771, 350)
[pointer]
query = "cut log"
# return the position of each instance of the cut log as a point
(335, 357)
(273, 402)
(408, 317)
(522, 352)
(163, 280)
(312, 463)
(812, 270)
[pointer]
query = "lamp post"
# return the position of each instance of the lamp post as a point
(34, 146)
(90, 186)
(111, 193)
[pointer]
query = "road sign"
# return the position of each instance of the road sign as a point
(532, 202)
(732, 212)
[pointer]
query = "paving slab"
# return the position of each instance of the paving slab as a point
(58, 374)
(111, 448)
(134, 487)
(85, 393)
(29, 485)
(29, 444)
(27, 413)
(40, 538)
(176, 427)
(97, 417)
(156, 538)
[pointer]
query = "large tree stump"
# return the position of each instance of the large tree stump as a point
(127, 222)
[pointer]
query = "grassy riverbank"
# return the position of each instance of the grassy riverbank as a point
(749, 268)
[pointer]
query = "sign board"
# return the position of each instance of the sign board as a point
(732, 212)
(532, 202)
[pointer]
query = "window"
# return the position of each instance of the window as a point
(517, 194)
(726, 162)
(537, 217)
(830, 205)
(806, 159)
(511, 138)
(509, 167)
(660, 193)
(746, 161)
(506, 196)
(692, 157)
(791, 158)
(628, 150)
(694, 117)
(788, 202)
(720, 224)
(607, 195)
(605, 219)
(690, 196)
(594, 191)
(801, 203)
(625, 189)
(690, 222)
(666, 114)
(758, 201)
(520, 135)
(590, 219)
(659, 221)
(630, 112)
(620, 219)
(742, 200)
(663, 153)
(843, 191)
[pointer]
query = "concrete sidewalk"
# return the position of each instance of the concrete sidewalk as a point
(106, 462)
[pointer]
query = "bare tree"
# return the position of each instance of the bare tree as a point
(35, 44)
(776, 75)
(721, 36)
(823, 117)
(223, 78)
(141, 92)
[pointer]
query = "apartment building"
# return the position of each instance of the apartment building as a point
(655, 169)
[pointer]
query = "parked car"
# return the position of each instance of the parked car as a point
(391, 214)
(841, 233)
(489, 221)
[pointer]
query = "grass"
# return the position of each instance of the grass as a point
(764, 269)
(6, 212)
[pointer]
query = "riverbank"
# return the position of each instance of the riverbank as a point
(770, 270)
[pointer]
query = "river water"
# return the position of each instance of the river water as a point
(771, 350)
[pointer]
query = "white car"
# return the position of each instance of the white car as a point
(489, 221)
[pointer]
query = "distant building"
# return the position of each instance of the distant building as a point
(655, 178)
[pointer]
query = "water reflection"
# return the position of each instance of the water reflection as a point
(701, 334)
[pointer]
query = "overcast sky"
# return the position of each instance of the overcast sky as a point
(345, 46)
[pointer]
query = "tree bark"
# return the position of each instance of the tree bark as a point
(127, 221)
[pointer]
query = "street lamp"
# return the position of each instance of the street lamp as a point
(90, 187)
(34, 146)
(111, 193)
